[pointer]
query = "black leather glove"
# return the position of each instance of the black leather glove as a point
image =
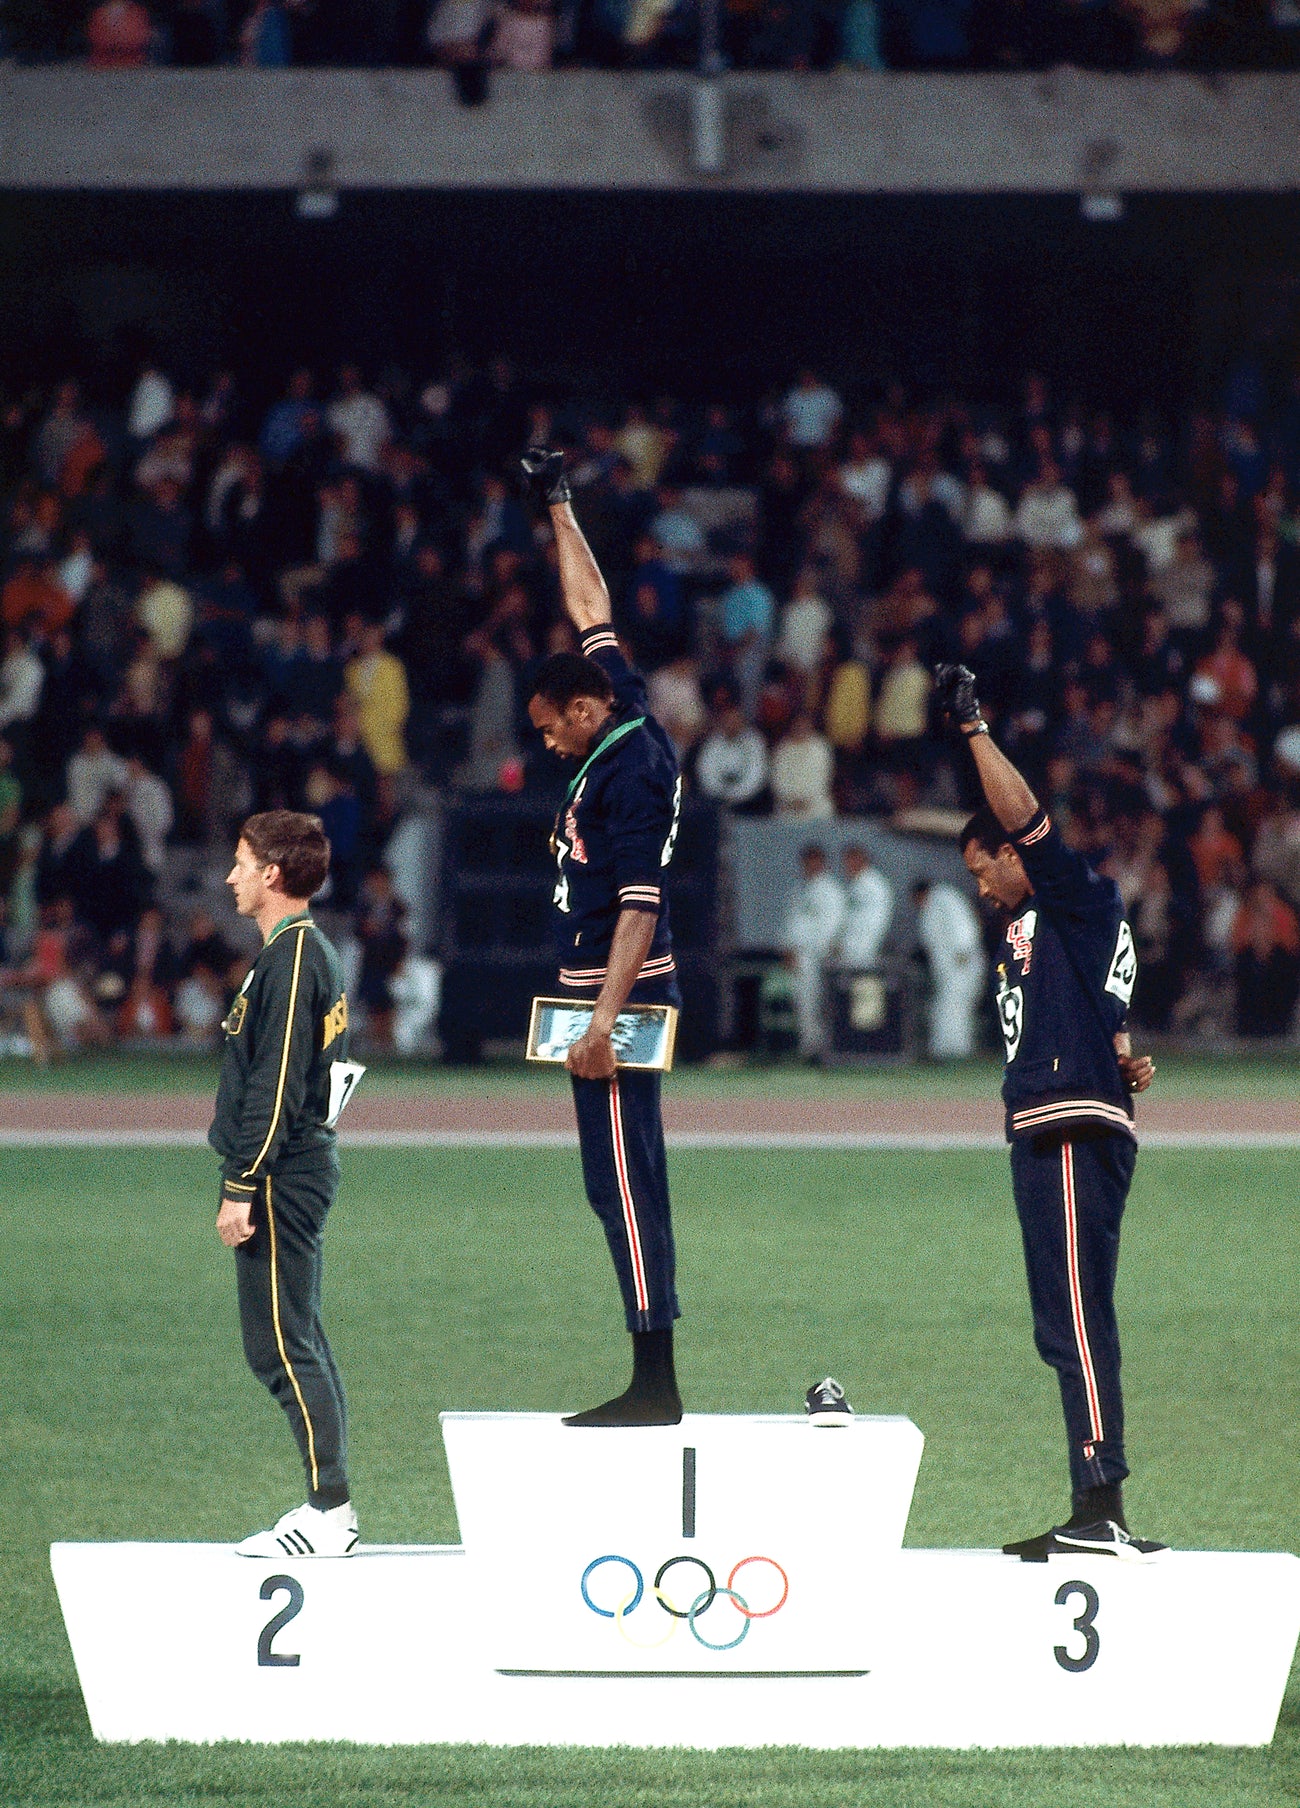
(544, 477)
(954, 688)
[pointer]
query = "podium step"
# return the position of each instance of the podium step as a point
(731, 1580)
(390, 1647)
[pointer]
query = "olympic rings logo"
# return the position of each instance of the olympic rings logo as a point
(624, 1605)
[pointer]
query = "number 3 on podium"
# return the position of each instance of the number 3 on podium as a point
(1083, 1623)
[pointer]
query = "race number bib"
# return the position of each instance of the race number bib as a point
(345, 1076)
(1011, 1015)
(1123, 966)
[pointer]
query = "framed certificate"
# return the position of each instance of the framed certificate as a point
(644, 1034)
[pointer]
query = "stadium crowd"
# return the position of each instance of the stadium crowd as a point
(778, 34)
(334, 601)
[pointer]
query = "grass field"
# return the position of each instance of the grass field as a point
(127, 1414)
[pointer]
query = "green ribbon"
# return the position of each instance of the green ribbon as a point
(617, 734)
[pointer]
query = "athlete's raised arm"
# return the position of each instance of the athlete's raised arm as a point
(586, 595)
(1005, 791)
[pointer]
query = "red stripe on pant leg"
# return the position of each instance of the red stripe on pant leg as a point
(1076, 1291)
(625, 1194)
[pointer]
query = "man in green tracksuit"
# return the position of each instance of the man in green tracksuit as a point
(285, 1077)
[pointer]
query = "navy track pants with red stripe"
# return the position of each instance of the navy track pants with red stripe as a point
(621, 1134)
(1070, 1199)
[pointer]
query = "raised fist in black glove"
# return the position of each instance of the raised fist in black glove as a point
(543, 471)
(954, 688)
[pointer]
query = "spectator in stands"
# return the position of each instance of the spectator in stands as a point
(146, 1008)
(732, 764)
(803, 767)
(266, 36)
(11, 801)
(208, 971)
(58, 975)
(524, 37)
(93, 771)
(902, 709)
(376, 680)
(34, 597)
(1162, 937)
(811, 412)
(655, 618)
(677, 702)
(1226, 668)
(748, 615)
(457, 29)
(361, 421)
(1047, 514)
(381, 931)
(286, 424)
(806, 622)
(336, 803)
(108, 879)
(675, 531)
(985, 518)
(22, 678)
(119, 35)
(149, 806)
(1266, 946)
(58, 433)
(54, 860)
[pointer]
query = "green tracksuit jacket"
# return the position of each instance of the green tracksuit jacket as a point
(287, 1025)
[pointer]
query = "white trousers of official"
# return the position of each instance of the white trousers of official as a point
(952, 1012)
(810, 1002)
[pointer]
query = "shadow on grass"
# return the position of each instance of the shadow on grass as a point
(32, 1714)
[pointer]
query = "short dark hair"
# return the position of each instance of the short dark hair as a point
(293, 841)
(565, 676)
(986, 831)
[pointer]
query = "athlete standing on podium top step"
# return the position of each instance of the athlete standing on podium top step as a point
(1066, 968)
(613, 839)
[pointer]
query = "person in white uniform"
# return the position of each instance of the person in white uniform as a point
(948, 930)
(869, 912)
(812, 928)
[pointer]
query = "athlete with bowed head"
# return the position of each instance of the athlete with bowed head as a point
(1065, 972)
(614, 836)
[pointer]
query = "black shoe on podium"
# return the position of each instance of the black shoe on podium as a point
(1106, 1538)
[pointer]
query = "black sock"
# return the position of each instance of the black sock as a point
(1105, 1502)
(652, 1397)
(325, 1498)
(652, 1362)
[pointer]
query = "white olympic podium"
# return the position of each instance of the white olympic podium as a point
(731, 1581)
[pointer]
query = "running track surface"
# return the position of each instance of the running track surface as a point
(32, 1117)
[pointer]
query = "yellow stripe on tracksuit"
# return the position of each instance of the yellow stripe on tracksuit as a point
(284, 1053)
(275, 1319)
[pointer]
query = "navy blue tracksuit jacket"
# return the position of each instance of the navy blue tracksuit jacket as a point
(614, 839)
(1065, 973)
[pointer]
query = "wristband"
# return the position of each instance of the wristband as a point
(974, 728)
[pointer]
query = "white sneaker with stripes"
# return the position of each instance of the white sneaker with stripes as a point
(306, 1531)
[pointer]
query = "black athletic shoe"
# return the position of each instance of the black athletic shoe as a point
(825, 1404)
(1107, 1538)
(1104, 1539)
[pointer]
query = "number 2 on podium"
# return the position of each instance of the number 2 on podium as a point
(267, 1656)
